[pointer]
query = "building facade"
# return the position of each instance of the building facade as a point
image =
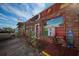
(66, 31)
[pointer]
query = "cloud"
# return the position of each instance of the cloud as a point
(7, 21)
(34, 8)
(13, 10)
(3, 17)
(26, 11)
(7, 18)
(39, 7)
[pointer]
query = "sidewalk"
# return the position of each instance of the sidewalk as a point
(50, 50)
(55, 50)
(58, 50)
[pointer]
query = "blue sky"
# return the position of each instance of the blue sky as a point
(10, 13)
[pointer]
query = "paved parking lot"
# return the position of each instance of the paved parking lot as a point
(16, 47)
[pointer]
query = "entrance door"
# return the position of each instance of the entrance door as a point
(37, 31)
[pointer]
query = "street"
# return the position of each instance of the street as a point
(16, 47)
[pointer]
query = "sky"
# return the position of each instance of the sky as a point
(12, 13)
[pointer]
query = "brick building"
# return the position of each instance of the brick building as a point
(69, 27)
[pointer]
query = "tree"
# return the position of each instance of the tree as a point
(8, 29)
